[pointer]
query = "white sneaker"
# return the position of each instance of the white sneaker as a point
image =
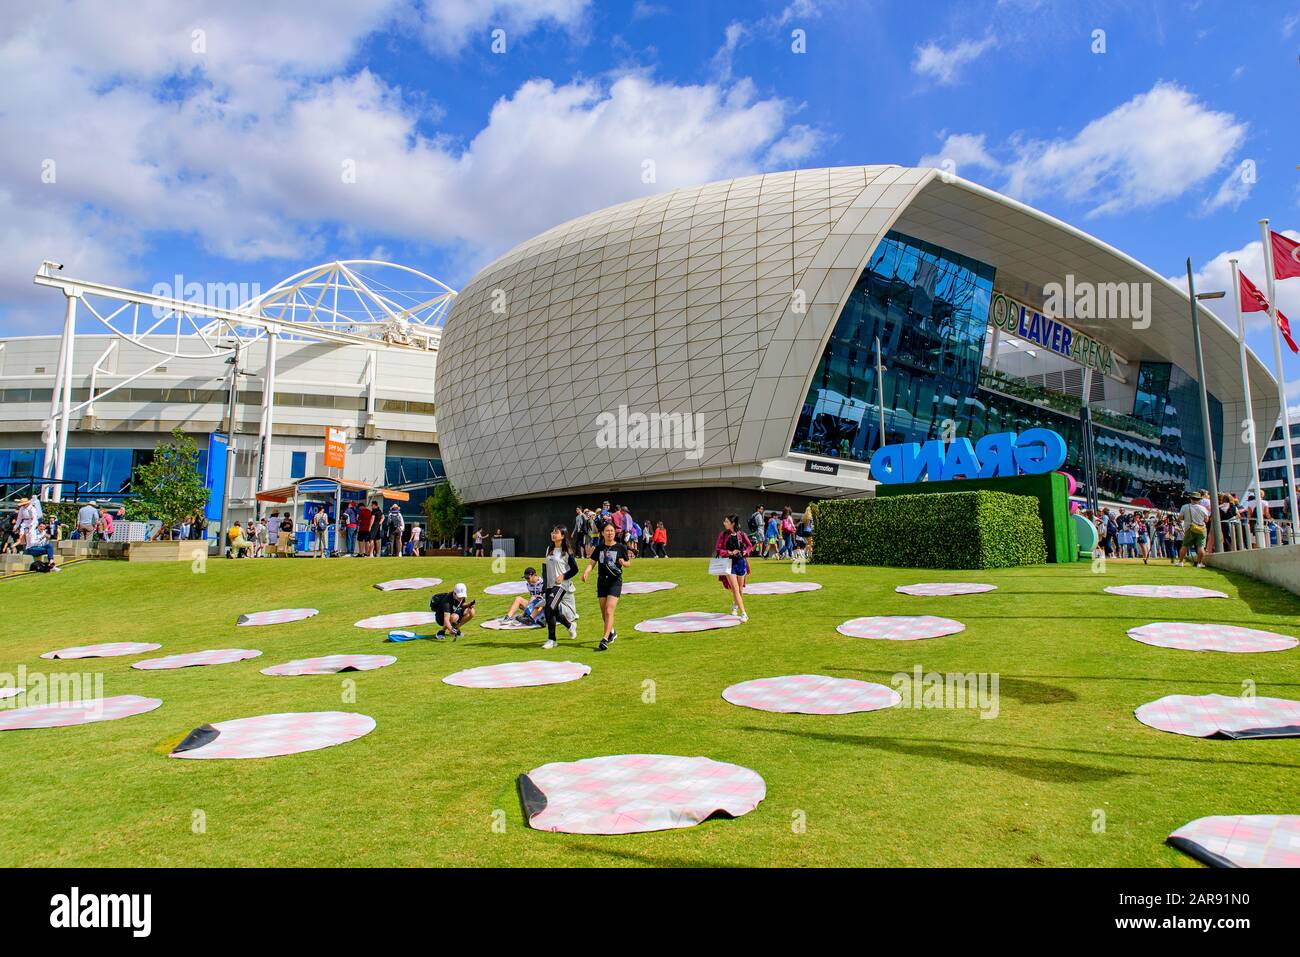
(549, 643)
(744, 618)
(735, 609)
(573, 631)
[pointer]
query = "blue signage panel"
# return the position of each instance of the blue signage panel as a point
(215, 479)
(1032, 452)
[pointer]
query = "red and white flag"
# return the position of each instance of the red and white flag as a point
(1284, 325)
(1286, 256)
(1252, 300)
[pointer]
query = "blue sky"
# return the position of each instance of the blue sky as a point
(210, 142)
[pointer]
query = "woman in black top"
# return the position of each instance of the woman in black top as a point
(610, 557)
(559, 567)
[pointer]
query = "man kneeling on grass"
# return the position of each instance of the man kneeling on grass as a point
(452, 611)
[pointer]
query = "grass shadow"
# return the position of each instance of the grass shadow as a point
(1034, 769)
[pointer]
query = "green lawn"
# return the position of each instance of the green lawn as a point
(895, 787)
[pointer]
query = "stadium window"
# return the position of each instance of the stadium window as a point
(297, 464)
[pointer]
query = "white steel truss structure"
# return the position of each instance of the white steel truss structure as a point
(365, 303)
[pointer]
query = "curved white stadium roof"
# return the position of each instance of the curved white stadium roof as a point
(684, 302)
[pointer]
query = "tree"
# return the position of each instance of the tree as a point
(169, 487)
(444, 510)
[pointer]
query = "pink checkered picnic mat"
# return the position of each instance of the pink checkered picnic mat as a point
(408, 584)
(111, 649)
(1223, 716)
(779, 588)
(939, 589)
(1242, 840)
(645, 588)
(1163, 591)
(811, 694)
(900, 627)
(498, 625)
(519, 674)
(330, 664)
(688, 621)
(398, 619)
(507, 588)
(1198, 636)
(274, 735)
(276, 617)
(68, 713)
(629, 793)
(220, 656)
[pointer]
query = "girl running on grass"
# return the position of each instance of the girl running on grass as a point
(734, 544)
(610, 557)
(559, 567)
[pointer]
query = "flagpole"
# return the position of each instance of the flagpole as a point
(1281, 378)
(1261, 537)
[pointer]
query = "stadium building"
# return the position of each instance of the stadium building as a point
(703, 350)
(349, 346)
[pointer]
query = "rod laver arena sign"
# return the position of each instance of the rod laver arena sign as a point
(1033, 452)
(1025, 323)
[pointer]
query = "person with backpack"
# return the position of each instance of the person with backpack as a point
(320, 524)
(1195, 516)
(451, 610)
(350, 523)
(757, 524)
(394, 525)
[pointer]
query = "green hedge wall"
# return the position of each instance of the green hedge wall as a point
(1050, 490)
(937, 530)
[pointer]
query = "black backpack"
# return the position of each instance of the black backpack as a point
(41, 565)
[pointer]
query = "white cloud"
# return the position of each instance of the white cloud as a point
(244, 150)
(1234, 190)
(944, 65)
(1154, 148)
(449, 25)
(961, 151)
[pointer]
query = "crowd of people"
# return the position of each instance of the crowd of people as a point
(364, 530)
(1177, 535)
(609, 539)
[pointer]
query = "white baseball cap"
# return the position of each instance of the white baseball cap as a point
(460, 591)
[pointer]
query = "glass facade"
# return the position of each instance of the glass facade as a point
(401, 470)
(929, 307)
(100, 471)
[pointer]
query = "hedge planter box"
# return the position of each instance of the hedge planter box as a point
(938, 530)
(185, 550)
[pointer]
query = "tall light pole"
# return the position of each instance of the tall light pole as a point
(1216, 530)
(231, 406)
(1261, 534)
(880, 392)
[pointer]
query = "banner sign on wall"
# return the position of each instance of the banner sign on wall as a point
(336, 444)
(1025, 323)
(1032, 452)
